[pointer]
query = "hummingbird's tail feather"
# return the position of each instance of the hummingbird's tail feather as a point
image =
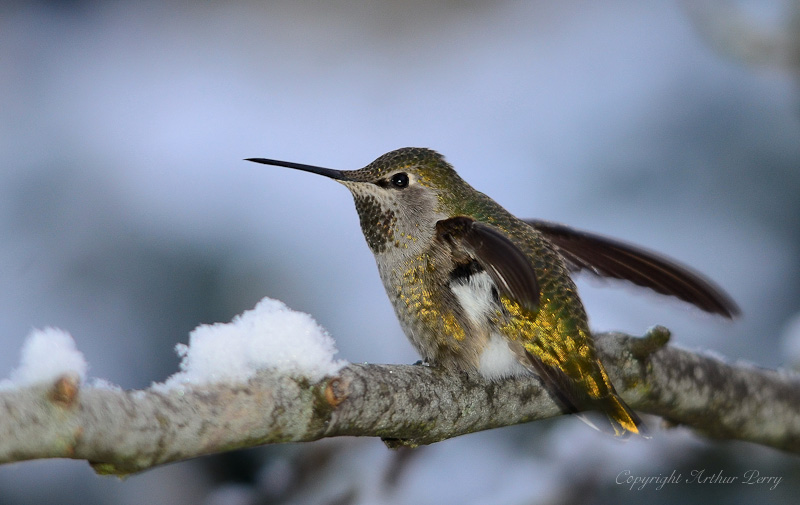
(611, 416)
(614, 417)
(623, 420)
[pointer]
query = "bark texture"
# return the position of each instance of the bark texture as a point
(122, 432)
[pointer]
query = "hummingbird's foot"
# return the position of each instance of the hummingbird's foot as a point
(396, 443)
(654, 339)
(669, 424)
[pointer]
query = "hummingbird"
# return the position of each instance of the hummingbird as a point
(478, 290)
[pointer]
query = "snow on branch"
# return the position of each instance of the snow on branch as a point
(259, 393)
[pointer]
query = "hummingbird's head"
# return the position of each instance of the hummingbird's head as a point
(399, 196)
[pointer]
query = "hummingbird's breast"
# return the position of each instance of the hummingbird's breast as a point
(449, 312)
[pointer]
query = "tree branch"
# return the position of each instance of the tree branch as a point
(123, 432)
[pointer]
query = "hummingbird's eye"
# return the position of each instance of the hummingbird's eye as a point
(400, 180)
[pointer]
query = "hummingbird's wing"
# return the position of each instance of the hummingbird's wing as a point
(607, 257)
(508, 267)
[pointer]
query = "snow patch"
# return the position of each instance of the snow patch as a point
(271, 335)
(47, 355)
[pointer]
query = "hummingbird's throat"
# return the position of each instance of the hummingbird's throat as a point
(377, 222)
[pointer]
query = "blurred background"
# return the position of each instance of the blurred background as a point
(128, 216)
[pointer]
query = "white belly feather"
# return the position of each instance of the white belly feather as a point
(497, 360)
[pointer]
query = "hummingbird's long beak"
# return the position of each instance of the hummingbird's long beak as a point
(327, 172)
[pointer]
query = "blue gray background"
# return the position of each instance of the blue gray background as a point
(128, 216)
